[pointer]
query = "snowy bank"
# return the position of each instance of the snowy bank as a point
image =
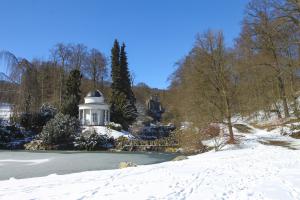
(250, 171)
(103, 130)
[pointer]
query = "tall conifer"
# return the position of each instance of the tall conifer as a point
(126, 79)
(115, 67)
(123, 108)
(72, 94)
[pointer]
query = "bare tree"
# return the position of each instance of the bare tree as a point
(78, 56)
(217, 80)
(205, 86)
(61, 56)
(288, 9)
(29, 89)
(269, 39)
(96, 68)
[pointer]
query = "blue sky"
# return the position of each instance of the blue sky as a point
(158, 33)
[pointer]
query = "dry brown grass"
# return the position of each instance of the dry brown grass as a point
(267, 127)
(242, 128)
(273, 125)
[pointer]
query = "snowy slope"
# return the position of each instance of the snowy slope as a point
(248, 171)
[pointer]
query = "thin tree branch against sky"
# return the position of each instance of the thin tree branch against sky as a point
(157, 32)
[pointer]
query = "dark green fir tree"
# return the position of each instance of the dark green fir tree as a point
(115, 67)
(126, 79)
(72, 94)
(123, 110)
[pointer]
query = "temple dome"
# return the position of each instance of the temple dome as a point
(94, 93)
(94, 96)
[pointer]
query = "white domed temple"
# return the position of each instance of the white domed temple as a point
(94, 111)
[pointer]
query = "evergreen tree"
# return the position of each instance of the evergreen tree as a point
(72, 94)
(126, 79)
(122, 111)
(123, 108)
(60, 130)
(115, 67)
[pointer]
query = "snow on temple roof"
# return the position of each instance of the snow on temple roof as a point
(95, 93)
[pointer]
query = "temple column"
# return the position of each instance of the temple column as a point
(104, 120)
(105, 116)
(83, 117)
(101, 115)
(98, 117)
(91, 122)
(108, 116)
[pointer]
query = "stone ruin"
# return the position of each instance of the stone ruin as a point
(154, 108)
(148, 125)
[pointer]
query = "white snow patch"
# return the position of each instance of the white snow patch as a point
(30, 162)
(103, 130)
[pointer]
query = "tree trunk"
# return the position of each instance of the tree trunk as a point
(283, 96)
(295, 106)
(94, 83)
(294, 96)
(228, 117)
(60, 90)
(231, 136)
(102, 83)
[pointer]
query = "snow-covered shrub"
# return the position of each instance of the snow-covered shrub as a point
(59, 130)
(4, 135)
(35, 121)
(31, 122)
(2, 123)
(47, 111)
(25, 120)
(10, 133)
(90, 140)
(114, 126)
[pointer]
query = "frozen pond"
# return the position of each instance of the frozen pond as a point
(23, 164)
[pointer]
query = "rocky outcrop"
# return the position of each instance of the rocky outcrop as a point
(156, 131)
(35, 145)
(126, 164)
(38, 145)
(178, 158)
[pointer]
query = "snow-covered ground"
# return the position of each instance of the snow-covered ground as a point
(102, 130)
(250, 170)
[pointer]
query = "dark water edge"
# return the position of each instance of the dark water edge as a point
(26, 164)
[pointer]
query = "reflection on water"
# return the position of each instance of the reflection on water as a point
(23, 164)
